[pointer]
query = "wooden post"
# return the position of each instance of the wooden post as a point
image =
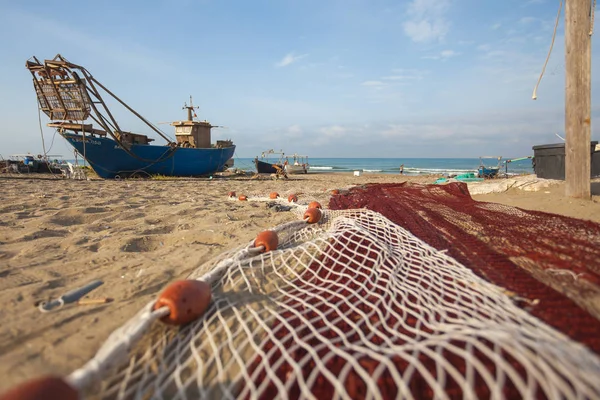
(578, 98)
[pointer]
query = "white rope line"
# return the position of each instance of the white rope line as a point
(534, 96)
(116, 348)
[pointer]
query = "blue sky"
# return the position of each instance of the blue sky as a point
(328, 78)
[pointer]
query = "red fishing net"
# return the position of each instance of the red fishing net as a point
(551, 260)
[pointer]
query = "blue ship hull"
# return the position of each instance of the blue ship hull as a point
(109, 160)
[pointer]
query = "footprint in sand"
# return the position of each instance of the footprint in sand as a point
(142, 244)
(95, 210)
(43, 233)
(161, 230)
(131, 216)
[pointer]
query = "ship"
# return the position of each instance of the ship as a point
(73, 100)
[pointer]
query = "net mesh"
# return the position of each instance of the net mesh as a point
(547, 258)
(354, 307)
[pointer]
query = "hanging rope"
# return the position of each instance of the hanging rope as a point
(41, 131)
(592, 18)
(83, 133)
(534, 96)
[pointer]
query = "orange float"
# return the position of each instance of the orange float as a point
(292, 198)
(268, 239)
(231, 194)
(274, 195)
(186, 300)
(335, 191)
(46, 388)
(312, 215)
(243, 197)
(314, 204)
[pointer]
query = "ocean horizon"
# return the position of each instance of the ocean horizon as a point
(412, 166)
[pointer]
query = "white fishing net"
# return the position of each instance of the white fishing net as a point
(352, 307)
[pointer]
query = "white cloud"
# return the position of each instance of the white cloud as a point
(373, 83)
(294, 131)
(289, 58)
(394, 78)
(496, 53)
(527, 20)
(407, 74)
(334, 131)
(427, 20)
(496, 26)
(448, 53)
(443, 55)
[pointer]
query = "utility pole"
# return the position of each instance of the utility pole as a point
(578, 98)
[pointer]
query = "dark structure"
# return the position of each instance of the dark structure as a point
(549, 161)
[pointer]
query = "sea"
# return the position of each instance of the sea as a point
(412, 166)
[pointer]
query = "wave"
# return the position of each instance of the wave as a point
(326, 168)
(440, 170)
(372, 170)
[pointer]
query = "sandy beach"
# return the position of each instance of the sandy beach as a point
(139, 235)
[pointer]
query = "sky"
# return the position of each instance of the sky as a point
(326, 78)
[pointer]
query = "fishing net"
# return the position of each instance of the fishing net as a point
(548, 259)
(353, 307)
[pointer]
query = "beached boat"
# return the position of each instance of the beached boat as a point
(70, 99)
(265, 166)
(299, 165)
(486, 171)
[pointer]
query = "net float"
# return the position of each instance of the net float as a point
(312, 215)
(46, 387)
(231, 194)
(274, 195)
(243, 197)
(292, 198)
(268, 239)
(186, 300)
(314, 204)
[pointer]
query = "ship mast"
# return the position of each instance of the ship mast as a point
(190, 109)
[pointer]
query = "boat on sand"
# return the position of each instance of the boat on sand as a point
(70, 96)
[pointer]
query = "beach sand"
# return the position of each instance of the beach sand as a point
(139, 235)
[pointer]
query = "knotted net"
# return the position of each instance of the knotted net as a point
(352, 307)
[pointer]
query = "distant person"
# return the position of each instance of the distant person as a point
(402, 169)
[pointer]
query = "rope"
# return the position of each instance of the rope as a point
(41, 131)
(44, 142)
(52, 142)
(534, 96)
(592, 18)
(84, 139)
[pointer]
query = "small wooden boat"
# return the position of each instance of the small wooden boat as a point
(265, 166)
